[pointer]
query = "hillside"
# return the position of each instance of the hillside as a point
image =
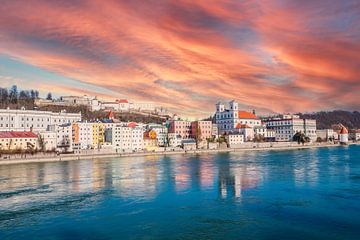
(325, 119)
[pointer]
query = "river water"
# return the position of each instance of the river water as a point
(296, 194)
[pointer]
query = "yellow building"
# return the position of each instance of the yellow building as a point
(150, 141)
(18, 140)
(98, 131)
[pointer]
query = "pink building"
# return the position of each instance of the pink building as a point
(182, 128)
(205, 129)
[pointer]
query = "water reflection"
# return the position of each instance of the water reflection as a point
(228, 175)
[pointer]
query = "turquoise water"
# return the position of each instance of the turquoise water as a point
(301, 194)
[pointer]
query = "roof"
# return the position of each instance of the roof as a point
(188, 141)
(242, 126)
(111, 115)
(247, 115)
(122, 101)
(344, 130)
(132, 124)
(18, 134)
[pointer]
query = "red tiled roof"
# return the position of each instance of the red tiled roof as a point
(247, 115)
(111, 115)
(344, 130)
(122, 101)
(16, 134)
(132, 124)
(242, 126)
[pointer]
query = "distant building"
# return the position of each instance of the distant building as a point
(161, 133)
(125, 138)
(234, 139)
(354, 134)
(203, 128)
(49, 140)
(245, 130)
(228, 118)
(35, 121)
(325, 134)
(188, 144)
(181, 128)
(18, 140)
(343, 135)
(287, 126)
(82, 135)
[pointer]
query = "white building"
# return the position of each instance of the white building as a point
(27, 120)
(143, 106)
(228, 118)
(174, 140)
(343, 135)
(234, 139)
(82, 134)
(118, 105)
(49, 139)
(287, 126)
(325, 134)
(125, 138)
(355, 134)
(246, 131)
(64, 138)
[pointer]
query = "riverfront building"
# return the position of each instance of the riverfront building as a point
(125, 137)
(18, 140)
(201, 128)
(35, 121)
(227, 119)
(286, 126)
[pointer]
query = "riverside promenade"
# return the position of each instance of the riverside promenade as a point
(275, 146)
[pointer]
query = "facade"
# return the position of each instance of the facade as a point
(201, 128)
(234, 139)
(49, 140)
(343, 135)
(82, 135)
(161, 133)
(18, 140)
(287, 126)
(124, 138)
(181, 128)
(325, 134)
(246, 131)
(36, 121)
(150, 140)
(228, 118)
(64, 138)
(98, 130)
(354, 135)
(142, 106)
(174, 140)
(188, 144)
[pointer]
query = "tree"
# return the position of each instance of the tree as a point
(49, 96)
(4, 95)
(36, 94)
(13, 95)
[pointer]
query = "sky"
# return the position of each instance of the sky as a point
(186, 55)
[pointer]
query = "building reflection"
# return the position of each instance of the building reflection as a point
(135, 177)
(235, 177)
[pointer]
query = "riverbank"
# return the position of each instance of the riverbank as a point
(252, 147)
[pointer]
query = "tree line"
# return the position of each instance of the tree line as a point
(13, 97)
